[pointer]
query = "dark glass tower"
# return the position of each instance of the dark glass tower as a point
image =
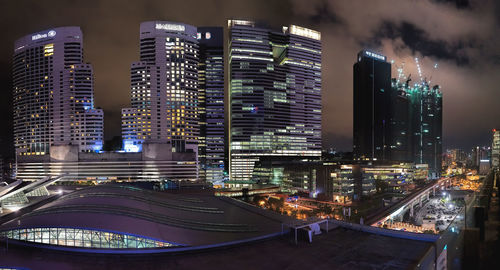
(372, 107)
(399, 122)
(426, 120)
(211, 104)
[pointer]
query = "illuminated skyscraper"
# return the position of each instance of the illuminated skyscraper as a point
(53, 94)
(426, 120)
(211, 104)
(275, 96)
(164, 86)
(495, 149)
(372, 107)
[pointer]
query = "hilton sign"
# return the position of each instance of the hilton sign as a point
(51, 33)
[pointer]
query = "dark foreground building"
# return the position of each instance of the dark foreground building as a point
(117, 227)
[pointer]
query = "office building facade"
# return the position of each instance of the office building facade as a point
(426, 121)
(275, 96)
(372, 107)
(394, 120)
(400, 142)
(53, 94)
(495, 149)
(211, 145)
(164, 88)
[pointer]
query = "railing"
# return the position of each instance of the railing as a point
(386, 232)
(373, 219)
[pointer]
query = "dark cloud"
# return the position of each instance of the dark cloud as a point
(418, 41)
(323, 14)
(458, 3)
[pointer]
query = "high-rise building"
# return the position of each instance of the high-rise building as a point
(275, 96)
(53, 94)
(457, 155)
(400, 139)
(480, 153)
(211, 150)
(164, 89)
(393, 120)
(372, 107)
(426, 121)
(495, 150)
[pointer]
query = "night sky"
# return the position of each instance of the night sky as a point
(462, 37)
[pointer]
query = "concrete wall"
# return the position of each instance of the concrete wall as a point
(109, 156)
(156, 151)
(64, 153)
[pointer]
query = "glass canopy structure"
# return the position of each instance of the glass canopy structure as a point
(85, 238)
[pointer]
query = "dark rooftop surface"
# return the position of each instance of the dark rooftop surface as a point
(339, 249)
(195, 219)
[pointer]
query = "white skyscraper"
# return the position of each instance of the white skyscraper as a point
(164, 86)
(53, 94)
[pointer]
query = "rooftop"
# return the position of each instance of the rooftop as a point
(339, 249)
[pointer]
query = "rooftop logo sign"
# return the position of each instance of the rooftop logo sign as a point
(375, 56)
(308, 33)
(51, 33)
(170, 27)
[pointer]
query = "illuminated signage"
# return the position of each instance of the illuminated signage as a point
(51, 33)
(308, 33)
(170, 27)
(374, 55)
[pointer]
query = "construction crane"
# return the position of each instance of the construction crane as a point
(419, 70)
(435, 67)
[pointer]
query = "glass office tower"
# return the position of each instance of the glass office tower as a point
(393, 120)
(426, 121)
(399, 124)
(211, 148)
(275, 96)
(372, 107)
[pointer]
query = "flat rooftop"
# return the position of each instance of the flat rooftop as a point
(339, 249)
(188, 220)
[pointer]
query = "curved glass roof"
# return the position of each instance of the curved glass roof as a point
(84, 238)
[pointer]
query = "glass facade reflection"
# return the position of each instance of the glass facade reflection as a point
(275, 96)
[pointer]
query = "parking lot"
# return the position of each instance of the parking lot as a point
(438, 213)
